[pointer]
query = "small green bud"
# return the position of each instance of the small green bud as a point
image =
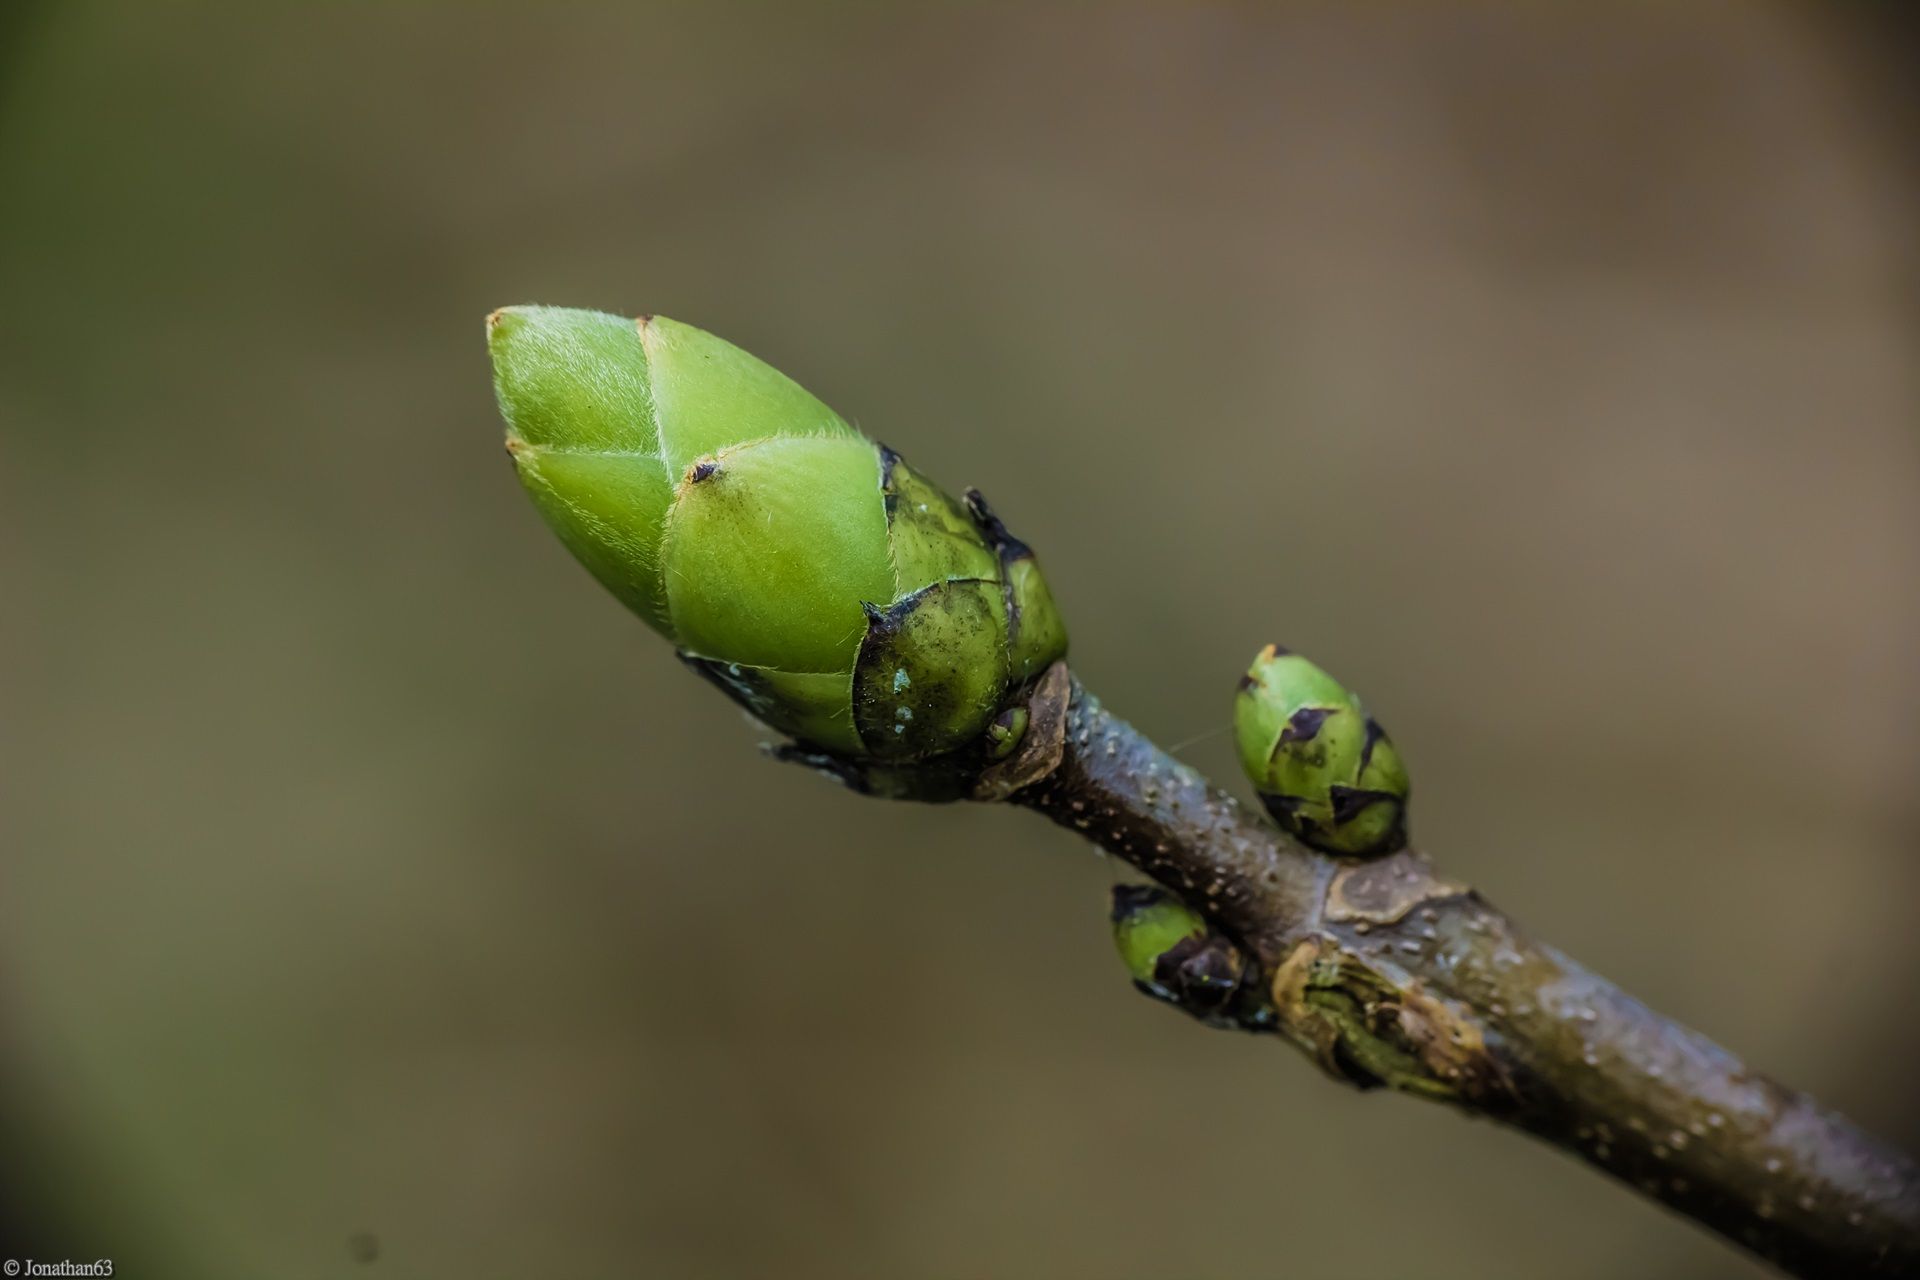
(1171, 954)
(825, 585)
(1004, 734)
(1324, 768)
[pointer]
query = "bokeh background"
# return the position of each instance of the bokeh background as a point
(380, 899)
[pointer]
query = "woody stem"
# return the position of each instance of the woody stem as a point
(1389, 974)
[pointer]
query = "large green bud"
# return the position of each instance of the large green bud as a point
(823, 583)
(1324, 768)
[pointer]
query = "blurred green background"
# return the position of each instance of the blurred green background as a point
(374, 885)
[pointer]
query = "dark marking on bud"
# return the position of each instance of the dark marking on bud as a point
(1131, 898)
(1304, 725)
(1374, 734)
(923, 782)
(1009, 547)
(888, 461)
(851, 774)
(1349, 802)
(1202, 975)
(745, 685)
(701, 470)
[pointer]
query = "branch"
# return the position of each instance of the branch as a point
(910, 646)
(1389, 974)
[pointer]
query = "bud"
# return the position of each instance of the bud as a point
(1006, 731)
(1324, 768)
(1171, 953)
(829, 588)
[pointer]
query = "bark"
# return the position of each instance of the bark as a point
(1389, 974)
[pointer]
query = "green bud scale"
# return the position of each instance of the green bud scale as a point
(829, 588)
(1324, 768)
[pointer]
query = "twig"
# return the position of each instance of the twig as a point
(1389, 974)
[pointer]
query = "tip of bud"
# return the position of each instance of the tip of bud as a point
(571, 379)
(501, 324)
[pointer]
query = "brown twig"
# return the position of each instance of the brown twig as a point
(1389, 974)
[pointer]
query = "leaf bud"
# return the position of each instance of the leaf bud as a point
(1323, 767)
(1172, 954)
(815, 577)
